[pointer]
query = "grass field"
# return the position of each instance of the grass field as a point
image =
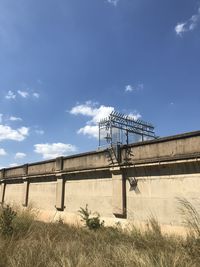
(25, 241)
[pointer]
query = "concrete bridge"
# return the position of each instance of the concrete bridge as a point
(147, 180)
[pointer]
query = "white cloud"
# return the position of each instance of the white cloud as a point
(90, 130)
(20, 155)
(2, 152)
(188, 25)
(9, 118)
(86, 109)
(89, 109)
(13, 118)
(180, 28)
(113, 2)
(54, 150)
(23, 131)
(134, 115)
(23, 94)
(13, 165)
(36, 95)
(130, 88)
(101, 113)
(7, 133)
(10, 95)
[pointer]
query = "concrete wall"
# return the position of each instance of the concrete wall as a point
(41, 168)
(149, 183)
(14, 172)
(85, 161)
(159, 196)
(14, 193)
(43, 195)
(95, 193)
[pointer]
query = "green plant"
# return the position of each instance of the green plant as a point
(7, 215)
(92, 220)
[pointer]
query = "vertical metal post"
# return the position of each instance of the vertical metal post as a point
(111, 139)
(99, 136)
(127, 137)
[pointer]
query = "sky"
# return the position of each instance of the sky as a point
(66, 64)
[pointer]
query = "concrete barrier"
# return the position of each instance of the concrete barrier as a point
(147, 181)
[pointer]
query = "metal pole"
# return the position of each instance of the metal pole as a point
(99, 136)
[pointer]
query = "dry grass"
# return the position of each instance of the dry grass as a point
(40, 244)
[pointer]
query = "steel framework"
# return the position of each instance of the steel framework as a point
(122, 129)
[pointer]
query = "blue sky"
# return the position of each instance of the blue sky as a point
(65, 64)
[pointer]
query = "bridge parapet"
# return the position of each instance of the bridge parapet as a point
(184, 146)
(173, 148)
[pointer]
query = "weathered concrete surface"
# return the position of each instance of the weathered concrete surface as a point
(91, 160)
(168, 148)
(162, 170)
(14, 193)
(60, 192)
(43, 195)
(118, 192)
(94, 192)
(42, 168)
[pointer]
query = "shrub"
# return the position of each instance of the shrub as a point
(7, 215)
(92, 220)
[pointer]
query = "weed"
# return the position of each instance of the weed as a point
(60, 220)
(92, 220)
(23, 222)
(191, 217)
(7, 215)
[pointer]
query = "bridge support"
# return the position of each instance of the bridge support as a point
(60, 192)
(118, 193)
(25, 193)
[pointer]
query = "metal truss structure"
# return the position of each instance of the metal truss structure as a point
(120, 129)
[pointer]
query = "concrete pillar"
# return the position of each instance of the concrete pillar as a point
(25, 193)
(2, 175)
(118, 192)
(60, 192)
(2, 192)
(25, 170)
(59, 164)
